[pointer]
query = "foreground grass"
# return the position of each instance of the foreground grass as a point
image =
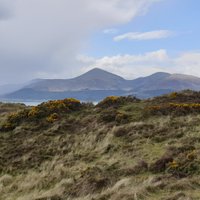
(116, 150)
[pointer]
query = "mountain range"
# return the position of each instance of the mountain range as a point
(96, 84)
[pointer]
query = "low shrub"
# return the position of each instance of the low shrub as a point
(177, 109)
(53, 118)
(179, 161)
(184, 164)
(161, 164)
(36, 113)
(115, 101)
(14, 119)
(185, 96)
(69, 104)
(120, 132)
(7, 126)
(122, 118)
(48, 110)
(112, 115)
(108, 115)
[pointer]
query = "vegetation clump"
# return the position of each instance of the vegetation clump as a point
(185, 164)
(112, 115)
(174, 109)
(49, 110)
(115, 101)
(53, 118)
(185, 96)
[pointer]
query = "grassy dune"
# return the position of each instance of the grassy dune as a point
(121, 149)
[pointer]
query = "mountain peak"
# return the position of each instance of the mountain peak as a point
(160, 74)
(96, 69)
(97, 73)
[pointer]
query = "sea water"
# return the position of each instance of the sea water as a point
(32, 103)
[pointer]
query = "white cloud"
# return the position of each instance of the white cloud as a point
(132, 66)
(110, 31)
(44, 36)
(151, 35)
(189, 62)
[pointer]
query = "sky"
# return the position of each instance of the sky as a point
(65, 38)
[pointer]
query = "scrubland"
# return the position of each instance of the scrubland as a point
(123, 148)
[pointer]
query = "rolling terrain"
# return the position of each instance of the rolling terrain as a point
(123, 148)
(97, 84)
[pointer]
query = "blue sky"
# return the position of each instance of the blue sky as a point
(179, 16)
(63, 39)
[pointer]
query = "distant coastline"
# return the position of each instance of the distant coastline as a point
(32, 102)
(27, 103)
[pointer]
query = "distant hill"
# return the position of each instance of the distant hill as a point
(96, 84)
(8, 88)
(163, 83)
(96, 79)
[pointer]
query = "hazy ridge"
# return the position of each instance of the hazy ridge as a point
(97, 84)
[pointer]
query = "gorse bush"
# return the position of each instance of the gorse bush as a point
(186, 96)
(178, 161)
(184, 164)
(62, 105)
(53, 118)
(35, 112)
(115, 101)
(174, 108)
(14, 119)
(58, 106)
(49, 110)
(109, 101)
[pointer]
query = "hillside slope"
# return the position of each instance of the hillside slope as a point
(163, 83)
(95, 79)
(121, 149)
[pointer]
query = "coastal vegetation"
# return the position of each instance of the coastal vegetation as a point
(123, 148)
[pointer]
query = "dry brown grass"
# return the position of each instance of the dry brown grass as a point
(81, 157)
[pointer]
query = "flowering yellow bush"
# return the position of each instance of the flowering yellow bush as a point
(62, 105)
(47, 111)
(185, 164)
(173, 165)
(109, 101)
(51, 107)
(112, 98)
(33, 112)
(52, 118)
(15, 118)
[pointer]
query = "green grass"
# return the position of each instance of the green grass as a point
(85, 155)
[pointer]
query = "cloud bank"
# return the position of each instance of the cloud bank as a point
(41, 38)
(133, 66)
